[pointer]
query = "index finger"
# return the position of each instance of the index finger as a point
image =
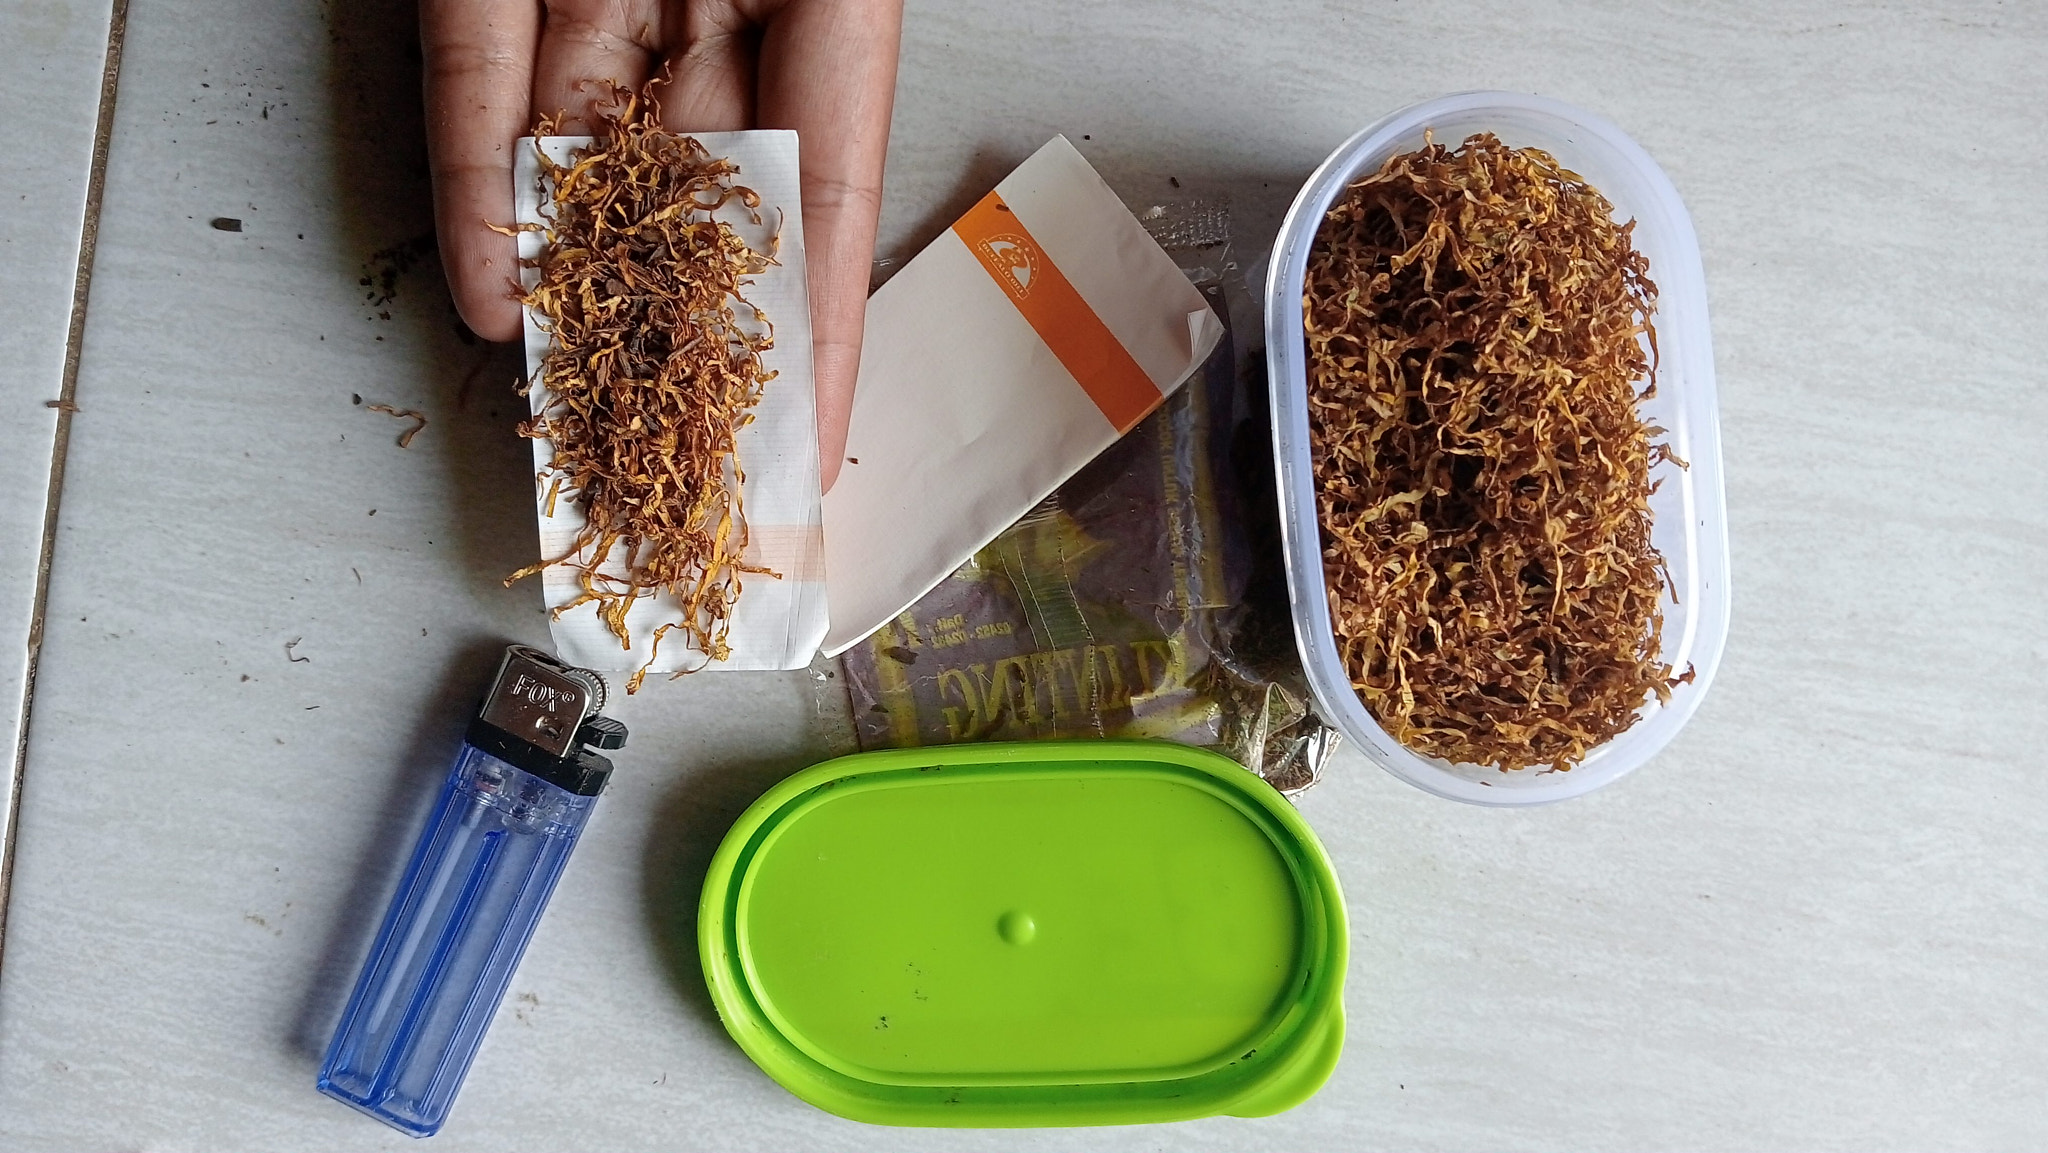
(479, 89)
(828, 70)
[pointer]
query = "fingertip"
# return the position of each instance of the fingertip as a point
(833, 383)
(494, 320)
(831, 436)
(486, 302)
(482, 268)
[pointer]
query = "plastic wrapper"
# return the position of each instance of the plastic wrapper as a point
(1141, 599)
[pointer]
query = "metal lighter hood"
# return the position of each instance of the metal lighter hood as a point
(541, 701)
(542, 716)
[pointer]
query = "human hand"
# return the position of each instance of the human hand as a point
(826, 68)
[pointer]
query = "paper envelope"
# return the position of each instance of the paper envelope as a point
(1025, 340)
(777, 623)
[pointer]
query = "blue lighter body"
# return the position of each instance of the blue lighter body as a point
(508, 816)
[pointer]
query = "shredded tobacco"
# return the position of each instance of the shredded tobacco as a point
(1476, 328)
(653, 366)
(418, 418)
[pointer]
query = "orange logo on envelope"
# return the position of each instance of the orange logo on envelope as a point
(1048, 302)
(1014, 260)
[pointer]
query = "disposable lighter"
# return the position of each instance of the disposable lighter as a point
(523, 785)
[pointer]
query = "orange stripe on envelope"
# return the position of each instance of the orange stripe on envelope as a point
(1089, 350)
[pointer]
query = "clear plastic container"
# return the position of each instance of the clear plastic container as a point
(1688, 523)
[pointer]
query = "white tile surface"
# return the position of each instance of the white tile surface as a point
(1813, 923)
(49, 96)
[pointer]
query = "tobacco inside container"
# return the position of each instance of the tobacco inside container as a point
(1476, 326)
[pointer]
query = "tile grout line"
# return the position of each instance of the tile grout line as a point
(81, 287)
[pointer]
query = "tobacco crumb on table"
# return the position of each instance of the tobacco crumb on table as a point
(381, 274)
(404, 438)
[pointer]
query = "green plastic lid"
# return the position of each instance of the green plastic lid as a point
(1046, 933)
